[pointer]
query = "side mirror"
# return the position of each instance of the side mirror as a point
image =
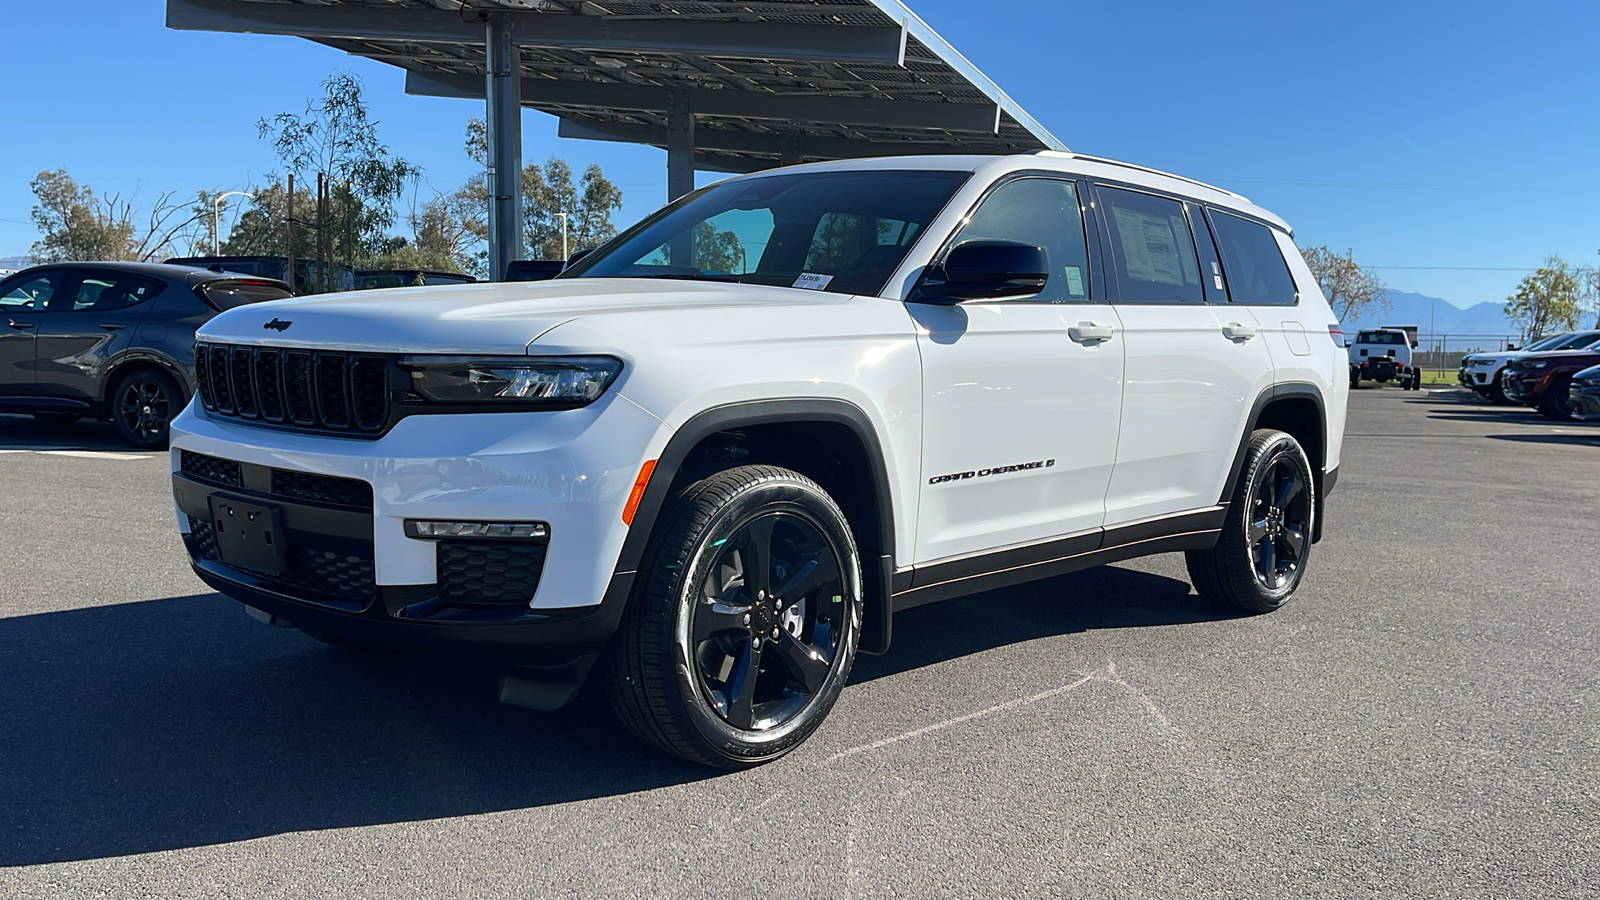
(984, 270)
(573, 259)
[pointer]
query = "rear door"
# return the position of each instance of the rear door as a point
(22, 301)
(92, 319)
(1194, 366)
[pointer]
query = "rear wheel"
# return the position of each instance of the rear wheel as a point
(142, 406)
(1266, 540)
(1557, 402)
(736, 646)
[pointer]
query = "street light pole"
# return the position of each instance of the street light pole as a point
(216, 214)
(564, 253)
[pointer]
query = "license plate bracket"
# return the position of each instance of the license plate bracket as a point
(249, 535)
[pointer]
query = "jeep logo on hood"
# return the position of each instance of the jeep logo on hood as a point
(277, 324)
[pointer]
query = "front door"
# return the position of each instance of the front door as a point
(1020, 397)
(22, 300)
(94, 317)
(1194, 368)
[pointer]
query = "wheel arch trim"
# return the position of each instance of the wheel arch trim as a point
(877, 572)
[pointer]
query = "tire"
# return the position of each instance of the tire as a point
(142, 406)
(741, 679)
(1557, 403)
(56, 419)
(1355, 379)
(1240, 572)
(1497, 388)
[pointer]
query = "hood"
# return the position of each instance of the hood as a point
(476, 318)
(1575, 358)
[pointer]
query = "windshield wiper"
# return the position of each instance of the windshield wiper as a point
(684, 276)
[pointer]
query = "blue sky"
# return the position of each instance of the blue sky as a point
(1420, 134)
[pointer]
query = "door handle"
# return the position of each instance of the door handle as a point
(112, 326)
(20, 326)
(1090, 332)
(1234, 331)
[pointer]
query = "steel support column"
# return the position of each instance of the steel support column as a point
(680, 167)
(504, 118)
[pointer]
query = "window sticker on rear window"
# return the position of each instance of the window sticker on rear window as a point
(811, 281)
(1149, 246)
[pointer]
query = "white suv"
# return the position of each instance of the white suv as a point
(720, 452)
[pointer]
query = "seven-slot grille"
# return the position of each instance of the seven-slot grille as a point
(315, 390)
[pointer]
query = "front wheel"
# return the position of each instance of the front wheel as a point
(740, 638)
(1497, 388)
(1261, 555)
(142, 406)
(1557, 402)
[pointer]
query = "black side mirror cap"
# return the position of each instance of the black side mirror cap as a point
(984, 270)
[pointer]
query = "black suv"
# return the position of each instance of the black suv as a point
(111, 340)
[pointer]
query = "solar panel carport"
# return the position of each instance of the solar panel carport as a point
(721, 86)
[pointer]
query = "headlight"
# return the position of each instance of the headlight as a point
(1537, 364)
(554, 382)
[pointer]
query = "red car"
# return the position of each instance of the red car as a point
(1541, 380)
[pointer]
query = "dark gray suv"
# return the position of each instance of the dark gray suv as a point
(111, 340)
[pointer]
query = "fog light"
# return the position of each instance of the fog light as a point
(431, 530)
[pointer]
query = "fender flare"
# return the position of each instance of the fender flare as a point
(877, 574)
(1288, 390)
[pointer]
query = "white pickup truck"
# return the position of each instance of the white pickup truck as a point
(1384, 355)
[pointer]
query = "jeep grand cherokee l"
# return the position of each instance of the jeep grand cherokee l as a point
(712, 459)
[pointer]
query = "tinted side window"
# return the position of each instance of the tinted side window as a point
(1251, 262)
(27, 293)
(1152, 251)
(1043, 212)
(104, 292)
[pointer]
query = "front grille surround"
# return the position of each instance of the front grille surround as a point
(327, 391)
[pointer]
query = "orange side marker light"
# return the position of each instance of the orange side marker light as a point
(637, 493)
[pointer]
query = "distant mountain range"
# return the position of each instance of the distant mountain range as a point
(1407, 308)
(15, 262)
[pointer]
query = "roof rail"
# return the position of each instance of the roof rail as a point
(1127, 165)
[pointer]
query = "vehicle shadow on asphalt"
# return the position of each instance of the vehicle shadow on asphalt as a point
(28, 433)
(1590, 440)
(175, 723)
(181, 722)
(1104, 597)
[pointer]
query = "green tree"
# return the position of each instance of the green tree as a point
(337, 137)
(75, 223)
(1547, 300)
(1351, 290)
(262, 228)
(547, 191)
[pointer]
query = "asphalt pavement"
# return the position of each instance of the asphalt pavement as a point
(1421, 721)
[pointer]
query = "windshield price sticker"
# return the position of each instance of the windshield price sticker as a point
(811, 281)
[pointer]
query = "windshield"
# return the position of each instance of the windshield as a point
(1578, 341)
(1380, 337)
(844, 232)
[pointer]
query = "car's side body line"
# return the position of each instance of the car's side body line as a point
(1192, 530)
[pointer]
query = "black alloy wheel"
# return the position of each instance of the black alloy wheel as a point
(1260, 557)
(1497, 388)
(1278, 523)
(767, 621)
(142, 407)
(745, 623)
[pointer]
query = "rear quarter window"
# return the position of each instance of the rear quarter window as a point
(1252, 264)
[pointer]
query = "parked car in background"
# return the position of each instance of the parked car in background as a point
(1584, 393)
(1484, 372)
(1541, 380)
(1384, 355)
(370, 279)
(111, 340)
(310, 277)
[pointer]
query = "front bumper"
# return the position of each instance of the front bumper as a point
(1585, 401)
(352, 570)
